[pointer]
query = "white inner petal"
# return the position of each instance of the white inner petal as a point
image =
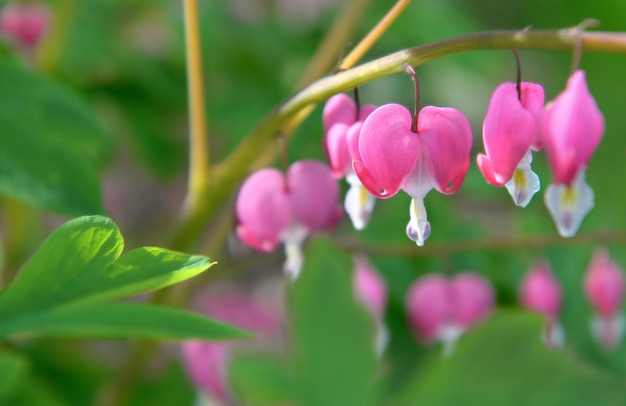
(568, 206)
(608, 331)
(293, 236)
(359, 202)
(418, 228)
(524, 183)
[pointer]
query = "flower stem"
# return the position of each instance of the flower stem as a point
(416, 85)
(198, 145)
(518, 76)
(370, 39)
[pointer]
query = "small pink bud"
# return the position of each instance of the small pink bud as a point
(25, 23)
(370, 287)
(206, 367)
(571, 129)
(541, 292)
(604, 284)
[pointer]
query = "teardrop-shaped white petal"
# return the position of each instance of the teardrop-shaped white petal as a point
(418, 228)
(359, 202)
(568, 206)
(524, 183)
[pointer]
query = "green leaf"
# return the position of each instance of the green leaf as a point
(51, 149)
(333, 346)
(261, 380)
(78, 263)
(122, 320)
(505, 362)
(12, 370)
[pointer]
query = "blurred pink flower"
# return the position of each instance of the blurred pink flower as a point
(342, 128)
(25, 23)
(371, 291)
(206, 362)
(510, 131)
(604, 286)
(273, 208)
(571, 129)
(541, 292)
(393, 157)
(442, 309)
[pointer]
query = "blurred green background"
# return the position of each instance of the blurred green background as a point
(125, 59)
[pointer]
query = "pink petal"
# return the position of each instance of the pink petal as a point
(473, 298)
(571, 129)
(541, 292)
(446, 141)
(263, 209)
(243, 311)
(508, 132)
(604, 284)
(388, 148)
(352, 138)
(340, 108)
(336, 146)
(429, 306)
(366, 111)
(370, 287)
(533, 100)
(205, 363)
(313, 194)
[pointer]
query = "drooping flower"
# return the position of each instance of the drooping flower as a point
(342, 127)
(393, 157)
(274, 208)
(571, 129)
(442, 309)
(24, 23)
(206, 362)
(541, 292)
(371, 291)
(510, 132)
(604, 286)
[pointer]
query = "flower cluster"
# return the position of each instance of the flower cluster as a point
(570, 128)
(604, 287)
(382, 150)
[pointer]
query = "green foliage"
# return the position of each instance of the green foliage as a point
(331, 361)
(12, 369)
(51, 149)
(505, 362)
(60, 289)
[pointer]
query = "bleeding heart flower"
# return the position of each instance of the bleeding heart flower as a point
(510, 130)
(541, 292)
(604, 286)
(370, 290)
(272, 208)
(571, 129)
(25, 23)
(393, 157)
(442, 309)
(342, 126)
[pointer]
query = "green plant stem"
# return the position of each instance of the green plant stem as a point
(198, 145)
(51, 51)
(531, 243)
(237, 165)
